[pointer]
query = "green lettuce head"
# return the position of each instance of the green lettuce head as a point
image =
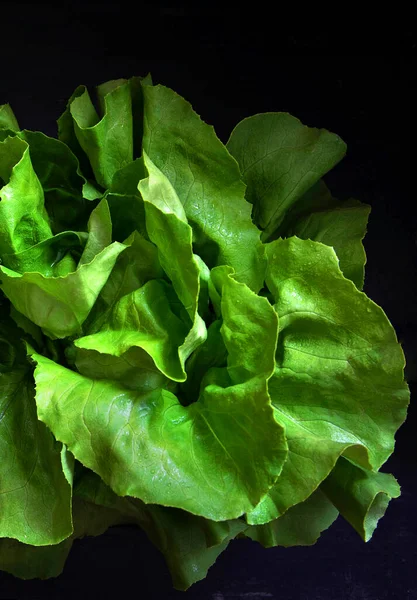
(184, 340)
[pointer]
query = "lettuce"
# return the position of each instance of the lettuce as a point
(184, 341)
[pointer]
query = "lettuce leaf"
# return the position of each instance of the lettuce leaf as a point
(35, 499)
(185, 345)
(24, 221)
(43, 562)
(280, 159)
(60, 305)
(57, 169)
(139, 443)
(7, 118)
(361, 496)
(338, 360)
(186, 150)
(190, 544)
(301, 525)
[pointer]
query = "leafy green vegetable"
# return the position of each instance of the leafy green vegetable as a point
(58, 171)
(60, 305)
(135, 369)
(141, 441)
(361, 496)
(141, 319)
(7, 118)
(185, 149)
(190, 544)
(42, 562)
(280, 159)
(35, 499)
(108, 142)
(184, 343)
(125, 202)
(301, 525)
(342, 227)
(24, 221)
(337, 362)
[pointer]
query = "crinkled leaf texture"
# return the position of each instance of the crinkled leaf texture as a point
(184, 343)
(207, 181)
(281, 161)
(35, 499)
(149, 446)
(337, 362)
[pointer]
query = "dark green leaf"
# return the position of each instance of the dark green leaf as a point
(7, 118)
(280, 159)
(35, 494)
(301, 525)
(190, 544)
(361, 496)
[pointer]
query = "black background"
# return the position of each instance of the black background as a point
(229, 65)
